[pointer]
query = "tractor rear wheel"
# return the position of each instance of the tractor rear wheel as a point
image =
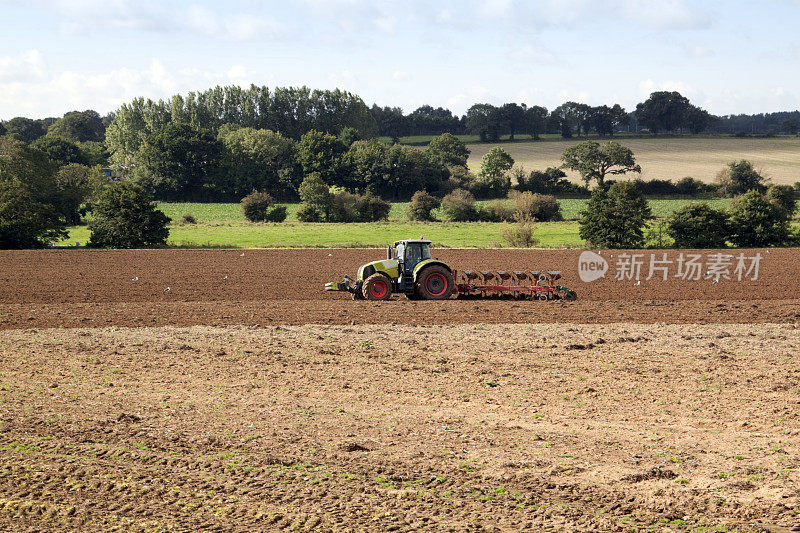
(435, 283)
(377, 287)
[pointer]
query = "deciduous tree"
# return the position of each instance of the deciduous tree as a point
(595, 162)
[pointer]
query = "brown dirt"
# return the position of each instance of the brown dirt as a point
(663, 406)
(74, 288)
(356, 428)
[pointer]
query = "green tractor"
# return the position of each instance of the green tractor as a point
(407, 269)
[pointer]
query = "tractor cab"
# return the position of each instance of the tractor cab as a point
(408, 255)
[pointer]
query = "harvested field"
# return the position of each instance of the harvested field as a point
(670, 158)
(585, 428)
(80, 288)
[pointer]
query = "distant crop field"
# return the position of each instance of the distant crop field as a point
(671, 158)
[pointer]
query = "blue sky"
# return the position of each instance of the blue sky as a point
(728, 57)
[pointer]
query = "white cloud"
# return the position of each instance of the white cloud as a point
(343, 79)
(474, 94)
(28, 66)
(55, 93)
(648, 86)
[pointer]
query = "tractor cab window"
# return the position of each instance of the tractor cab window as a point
(416, 252)
(399, 251)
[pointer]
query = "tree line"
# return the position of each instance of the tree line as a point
(293, 111)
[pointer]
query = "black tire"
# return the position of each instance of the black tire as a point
(434, 283)
(377, 287)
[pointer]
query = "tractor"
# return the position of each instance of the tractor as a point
(410, 270)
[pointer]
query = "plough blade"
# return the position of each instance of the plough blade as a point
(517, 284)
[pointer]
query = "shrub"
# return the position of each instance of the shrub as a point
(519, 234)
(255, 206)
(316, 199)
(550, 181)
(24, 222)
(698, 225)
(188, 218)
(308, 213)
(375, 208)
(276, 213)
(345, 207)
(615, 218)
(689, 186)
(497, 211)
(349, 207)
(784, 196)
(756, 221)
(459, 206)
(125, 216)
(421, 206)
(539, 207)
(656, 235)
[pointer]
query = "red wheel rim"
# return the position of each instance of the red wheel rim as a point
(378, 289)
(436, 284)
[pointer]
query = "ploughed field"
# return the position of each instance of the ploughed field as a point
(74, 288)
(247, 398)
(605, 427)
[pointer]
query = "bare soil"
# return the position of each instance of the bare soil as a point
(356, 428)
(80, 288)
(247, 398)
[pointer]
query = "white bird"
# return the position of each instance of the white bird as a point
(226, 277)
(639, 282)
(611, 256)
(241, 254)
(166, 290)
(715, 281)
(769, 252)
(330, 255)
(135, 279)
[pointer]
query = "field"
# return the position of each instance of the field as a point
(223, 225)
(245, 398)
(671, 158)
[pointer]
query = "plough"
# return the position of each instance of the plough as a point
(409, 269)
(518, 284)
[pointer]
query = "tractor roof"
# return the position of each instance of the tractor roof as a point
(423, 241)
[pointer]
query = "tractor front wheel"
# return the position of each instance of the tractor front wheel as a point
(377, 287)
(435, 283)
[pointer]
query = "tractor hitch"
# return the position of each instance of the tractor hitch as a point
(346, 285)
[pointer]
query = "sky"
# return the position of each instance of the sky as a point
(725, 56)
